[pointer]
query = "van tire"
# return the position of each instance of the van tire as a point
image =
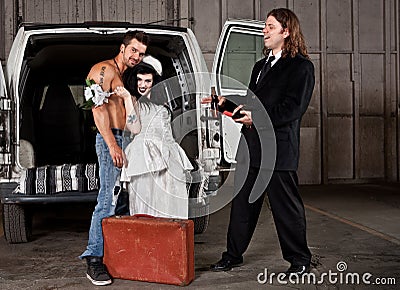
(17, 224)
(200, 214)
(201, 224)
(199, 211)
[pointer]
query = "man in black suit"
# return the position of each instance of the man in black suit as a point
(283, 83)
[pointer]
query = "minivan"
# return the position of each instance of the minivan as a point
(47, 141)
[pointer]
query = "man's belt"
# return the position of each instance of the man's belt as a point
(118, 132)
(115, 131)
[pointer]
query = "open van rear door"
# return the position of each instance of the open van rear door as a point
(239, 47)
(5, 129)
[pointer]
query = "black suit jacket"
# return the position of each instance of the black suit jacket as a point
(284, 93)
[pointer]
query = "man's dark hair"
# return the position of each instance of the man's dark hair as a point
(140, 36)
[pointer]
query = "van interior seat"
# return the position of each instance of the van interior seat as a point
(60, 127)
(26, 154)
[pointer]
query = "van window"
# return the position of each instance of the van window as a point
(77, 92)
(241, 53)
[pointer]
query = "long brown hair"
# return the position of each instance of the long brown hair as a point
(294, 43)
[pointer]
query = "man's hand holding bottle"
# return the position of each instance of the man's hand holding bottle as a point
(238, 114)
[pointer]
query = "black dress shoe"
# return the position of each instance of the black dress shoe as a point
(224, 265)
(298, 270)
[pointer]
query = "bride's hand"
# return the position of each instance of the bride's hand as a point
(122, 92)
(125, 159)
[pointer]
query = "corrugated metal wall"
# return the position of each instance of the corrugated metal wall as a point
(351, 130)
(361, 94)
(309, 13)
(77, 11)
(56, 11)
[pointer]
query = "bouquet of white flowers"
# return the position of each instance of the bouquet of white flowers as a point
(94, 95)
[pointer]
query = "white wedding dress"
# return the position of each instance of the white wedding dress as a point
(157, 168)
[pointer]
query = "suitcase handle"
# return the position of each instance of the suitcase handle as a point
(139, 215)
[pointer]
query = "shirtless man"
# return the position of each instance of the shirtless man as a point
(110, 122)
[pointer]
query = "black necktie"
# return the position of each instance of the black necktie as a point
(266, 67)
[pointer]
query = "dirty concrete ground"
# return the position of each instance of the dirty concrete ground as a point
(352, 229)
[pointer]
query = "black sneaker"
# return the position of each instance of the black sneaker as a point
(97, 272)
(225, 265)
(297, 270)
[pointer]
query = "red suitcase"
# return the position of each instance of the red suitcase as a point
(149, 249)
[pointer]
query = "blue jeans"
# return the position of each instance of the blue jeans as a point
(107, 198)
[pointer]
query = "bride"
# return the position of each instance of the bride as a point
(156, 166)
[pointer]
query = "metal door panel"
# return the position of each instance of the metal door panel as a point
(339, 84)
(232, 10)
(266, 6)
(46, 11)
(362, 87)
(372, 84)
(239, 47)
(371, 25)
(339, 34)
(309, 13)
(340, 147)
(372, 151)
(310, 155)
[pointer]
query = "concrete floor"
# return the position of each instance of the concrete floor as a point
(353, 224)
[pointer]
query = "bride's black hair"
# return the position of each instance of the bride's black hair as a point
(129, 79)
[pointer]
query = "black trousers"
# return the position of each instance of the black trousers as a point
(287, 210)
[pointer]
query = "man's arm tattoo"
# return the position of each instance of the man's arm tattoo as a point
(103, 68)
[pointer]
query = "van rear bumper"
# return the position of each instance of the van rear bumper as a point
(8, 196)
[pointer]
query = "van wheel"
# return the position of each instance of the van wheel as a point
(17, 224)
(199, 211)
(200, 224)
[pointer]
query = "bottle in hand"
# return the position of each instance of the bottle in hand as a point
(214, 102)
